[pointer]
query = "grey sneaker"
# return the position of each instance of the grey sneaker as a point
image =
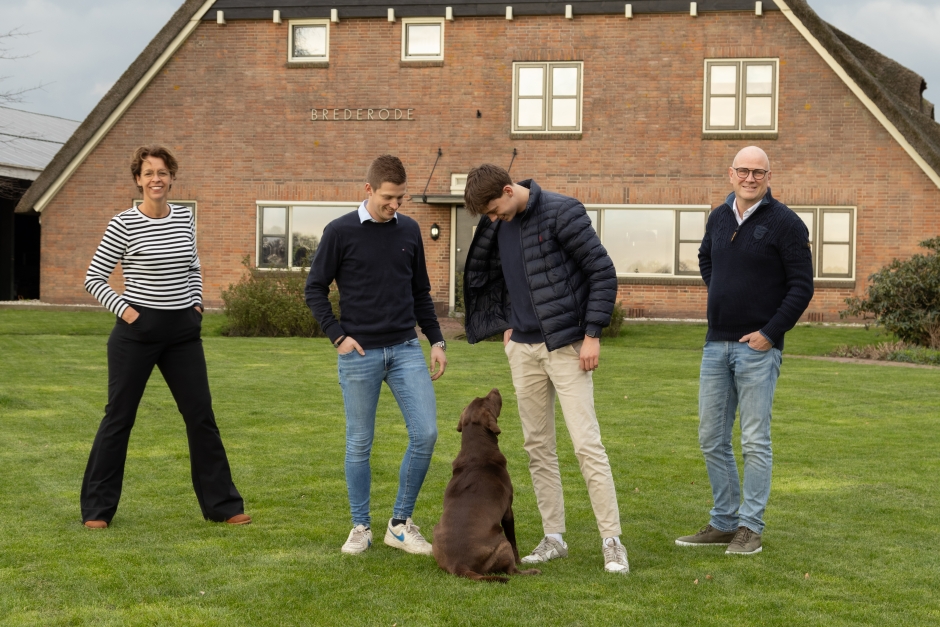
(615, 557)
(707, 536)
(407, 537)
(746, 542)
(548, 549)
(360, 539)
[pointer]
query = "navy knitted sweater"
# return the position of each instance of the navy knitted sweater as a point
(382, 278)
(759, 275)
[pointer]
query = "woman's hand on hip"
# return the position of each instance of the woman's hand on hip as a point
(130, 315)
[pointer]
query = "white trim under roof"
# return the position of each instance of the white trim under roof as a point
(116, 115)
(19, 172)
(859, 93)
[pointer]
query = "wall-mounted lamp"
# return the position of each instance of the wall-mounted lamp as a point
(449, 14)
(628, 11)
(277, 16)
(435, 231)
(334, 16)
(391, 15)
(569, 14)
(220, 17)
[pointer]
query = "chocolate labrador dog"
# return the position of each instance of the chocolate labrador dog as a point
(476, 534)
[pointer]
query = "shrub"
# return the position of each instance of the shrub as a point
(616, 322)
(891, 351)
(904, 298)
(271, 304)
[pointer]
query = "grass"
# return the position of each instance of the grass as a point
(853, 504)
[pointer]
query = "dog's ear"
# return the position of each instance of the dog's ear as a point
(460, 422)
(491, 423)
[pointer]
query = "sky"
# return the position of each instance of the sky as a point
(72, 51)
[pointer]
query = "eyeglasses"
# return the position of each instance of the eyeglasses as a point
(744, 172)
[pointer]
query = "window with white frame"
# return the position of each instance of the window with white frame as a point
(308, 41)
(546, 97)
(422, 39)
(651, 240)
(288, 234)
(832, 240)
(741, 95)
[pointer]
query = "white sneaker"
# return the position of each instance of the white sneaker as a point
(615, 557)
(360, 539)
(407, 537)
(548, 549)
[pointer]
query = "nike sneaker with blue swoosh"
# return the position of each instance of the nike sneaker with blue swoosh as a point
(407, 537)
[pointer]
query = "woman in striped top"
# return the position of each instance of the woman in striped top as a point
(159, 318)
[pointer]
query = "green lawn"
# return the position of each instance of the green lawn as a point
(854, 503)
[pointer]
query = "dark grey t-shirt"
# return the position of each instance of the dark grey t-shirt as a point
(524, 322)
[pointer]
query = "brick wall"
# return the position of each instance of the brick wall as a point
(239, 120)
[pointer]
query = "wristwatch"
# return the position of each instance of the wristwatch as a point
(441, 345)
(339, 341)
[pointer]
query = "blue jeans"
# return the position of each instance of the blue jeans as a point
(735, 376)
(403, 368)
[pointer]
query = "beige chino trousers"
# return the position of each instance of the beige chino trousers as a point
(538, 375)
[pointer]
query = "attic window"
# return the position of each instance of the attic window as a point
(740, 96)
(422, 39)
(308, 40)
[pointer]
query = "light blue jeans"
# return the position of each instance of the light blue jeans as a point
(403, 368)
(735, 376)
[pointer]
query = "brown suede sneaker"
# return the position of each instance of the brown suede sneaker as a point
(746, 542)
(239, 519)
(96, 524)
(707, 536)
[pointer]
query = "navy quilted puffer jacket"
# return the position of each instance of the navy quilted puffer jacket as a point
(571, 277)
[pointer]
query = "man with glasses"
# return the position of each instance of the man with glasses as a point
(756, 262)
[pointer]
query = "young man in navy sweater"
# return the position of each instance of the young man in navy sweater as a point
(756, 262)
(376, 257)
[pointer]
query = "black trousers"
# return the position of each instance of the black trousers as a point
(170, 340)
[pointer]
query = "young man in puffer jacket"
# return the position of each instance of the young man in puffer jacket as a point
(537, 273)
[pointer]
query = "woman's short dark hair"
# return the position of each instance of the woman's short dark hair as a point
(484, 184)
(386, 169)
(153, 150)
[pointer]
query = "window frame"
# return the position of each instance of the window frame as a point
(290, 41)
(547, 98)
(817, 243)
(600, 226)
(740, 96)
(261, 205)
(405, 23)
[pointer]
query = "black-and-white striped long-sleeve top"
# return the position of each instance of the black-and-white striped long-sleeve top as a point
(158, 257)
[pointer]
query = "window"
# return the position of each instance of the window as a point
(832, 240)
(651, 240)
(546, 97)
(308, 40)
(288, 235)
(740, 95)
(422, 39)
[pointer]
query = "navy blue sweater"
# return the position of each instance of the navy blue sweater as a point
(382, 278)
(759, 275)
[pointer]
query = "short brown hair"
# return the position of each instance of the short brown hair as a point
(153, 150)
(484, 184)
(386, 169)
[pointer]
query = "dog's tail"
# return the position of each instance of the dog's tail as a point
(469, 574)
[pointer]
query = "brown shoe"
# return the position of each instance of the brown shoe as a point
(239, 519)
(96, 524)
(707, 536)
(746, 542)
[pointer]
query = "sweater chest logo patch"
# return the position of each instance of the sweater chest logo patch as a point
(760, 231)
